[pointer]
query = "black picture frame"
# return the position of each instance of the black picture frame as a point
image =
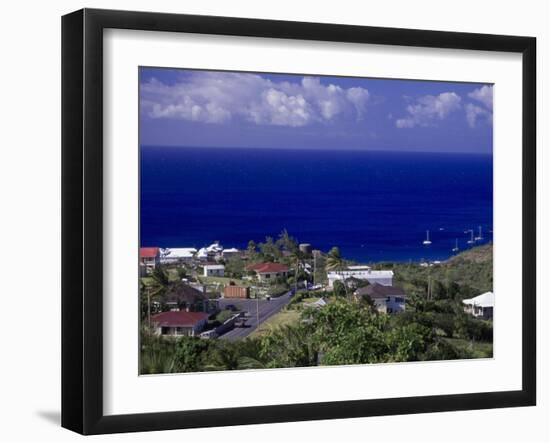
(82, 215)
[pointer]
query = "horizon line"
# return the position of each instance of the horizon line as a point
(147, 145)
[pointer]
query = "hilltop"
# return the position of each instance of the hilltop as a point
(479, 254)
(472, 270)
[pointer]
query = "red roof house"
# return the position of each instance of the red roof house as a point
(149, 252)
(149, 258)
(176, 323)
(268, 270)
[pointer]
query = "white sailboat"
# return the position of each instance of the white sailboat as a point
(455, 249)
(471, 241)
(427, 241)
(480, 236)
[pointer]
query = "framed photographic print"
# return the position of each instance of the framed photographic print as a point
(269, 221)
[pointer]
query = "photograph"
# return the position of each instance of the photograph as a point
(291, 220)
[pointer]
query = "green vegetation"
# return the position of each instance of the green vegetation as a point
(343, 332)
(477, 349)
(348, 330)
(284, 318)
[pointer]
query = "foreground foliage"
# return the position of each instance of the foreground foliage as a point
(348, 330)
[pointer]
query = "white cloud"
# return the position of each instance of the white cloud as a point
(218, 97)
(429, 109)
(483, 95)
(474, 112)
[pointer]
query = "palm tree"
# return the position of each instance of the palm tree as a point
(335, 262)
(289, 346)
(296, 258)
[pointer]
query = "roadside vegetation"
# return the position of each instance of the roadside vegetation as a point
(348, 329)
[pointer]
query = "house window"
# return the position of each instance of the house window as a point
(267, 275)
(399, 300)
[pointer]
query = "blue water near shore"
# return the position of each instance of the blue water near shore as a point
(375, 206)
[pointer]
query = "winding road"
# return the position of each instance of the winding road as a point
(258, 309)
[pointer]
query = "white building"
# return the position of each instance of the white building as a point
(215, 248)
(177, 255)
(213, 270)
(481, 306)
(384, 278)
(231, 252)
(202, 254)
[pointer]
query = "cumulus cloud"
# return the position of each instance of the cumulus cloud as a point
(218, 97)
(428, 109)
(474, 112)
(483, 95)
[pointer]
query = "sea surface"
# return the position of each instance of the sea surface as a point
(375, 206)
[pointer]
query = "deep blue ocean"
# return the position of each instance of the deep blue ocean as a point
(375, 206)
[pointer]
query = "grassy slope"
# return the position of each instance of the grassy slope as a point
(478, 348)
(473, 268)
(285, 317)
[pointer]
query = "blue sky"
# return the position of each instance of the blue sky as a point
(233, 109)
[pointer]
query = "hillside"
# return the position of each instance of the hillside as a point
(471, 270)
(479, 254)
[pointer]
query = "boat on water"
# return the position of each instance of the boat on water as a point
(455, 249)
(471, 241)
(427, 241)
(479, 236)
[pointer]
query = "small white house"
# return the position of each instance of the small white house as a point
(213, 270)
(384, 278)
(481, 306)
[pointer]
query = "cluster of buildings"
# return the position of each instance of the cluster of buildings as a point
(387, 298)
(213, 253)
(189, 306)
(208, 257)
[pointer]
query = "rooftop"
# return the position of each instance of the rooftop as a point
(361, 273)
(214, 267)
(180, 252)
(183, 293)
(485, 300)
(178, 318)
(148, 252)
(380, 291)
(263, 268)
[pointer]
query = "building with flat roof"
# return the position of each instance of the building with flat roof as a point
(177, 255)
(213, 270)
(382, 277)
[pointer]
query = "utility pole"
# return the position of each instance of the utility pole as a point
(257, 310)
(149, 307)
(314, 267)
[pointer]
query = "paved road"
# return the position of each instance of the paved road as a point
(261, 309)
